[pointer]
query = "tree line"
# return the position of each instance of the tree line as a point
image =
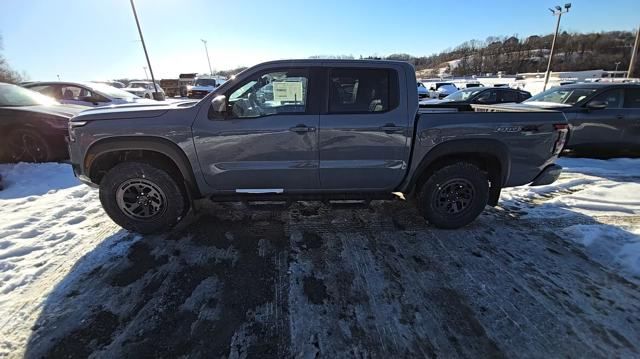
(512, 54)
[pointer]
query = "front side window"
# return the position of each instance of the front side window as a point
(272, 93)
(490, 96)
(359, 90)
(612, 98)
(75, 93)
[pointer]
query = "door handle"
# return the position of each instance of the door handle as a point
(302, 129)
(391, 128)
(619, 117)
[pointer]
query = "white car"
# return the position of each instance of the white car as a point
(143, 89)
(422, 91)
(85, 93)
(203, 86)
(441, 89)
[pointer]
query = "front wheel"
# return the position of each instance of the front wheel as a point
(27, 145)
(142, 198)
(454, 195)
(147, 96)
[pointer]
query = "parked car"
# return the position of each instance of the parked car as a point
(116, 84)
(422, 91)
(33, 127)
(143, 89)
(90, 94)
(603, 117)
(203, 86)
(343, 129)
(463, 99)
(440, 90)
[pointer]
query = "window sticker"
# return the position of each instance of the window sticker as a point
(287, 91)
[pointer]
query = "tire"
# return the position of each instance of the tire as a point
(147, 96)
(27, 145)
(454, 195)
(123, 188)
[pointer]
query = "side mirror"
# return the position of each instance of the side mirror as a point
(218, 107)
(597, 105)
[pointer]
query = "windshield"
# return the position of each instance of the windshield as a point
(111, 91)
(444, 84)
(206, 82)
(12, 95)
(462, 95)
(562, 96)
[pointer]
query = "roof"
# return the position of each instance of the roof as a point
(600, 85)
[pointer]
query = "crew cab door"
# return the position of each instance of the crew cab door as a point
(267, 139)
(631, 113)
(600, 128)
(364, 129)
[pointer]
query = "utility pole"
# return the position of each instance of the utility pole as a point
(556, 12)
(144, 47)
(634, 54)
(207, 52)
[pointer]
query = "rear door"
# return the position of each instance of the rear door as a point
(631, 113)
(364, 129)
(600, 128)
(507, 96)
(268, 140)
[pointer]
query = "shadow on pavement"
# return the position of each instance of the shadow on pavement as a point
(317, 281)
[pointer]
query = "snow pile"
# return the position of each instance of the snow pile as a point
(603, 193)
(49, 221)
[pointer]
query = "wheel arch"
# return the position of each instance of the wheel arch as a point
(492, 156)
(106, 153)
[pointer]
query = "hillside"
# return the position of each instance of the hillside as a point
(511, 55)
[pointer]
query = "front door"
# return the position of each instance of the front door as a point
(267, 142)
(364, 130)
(599, 128)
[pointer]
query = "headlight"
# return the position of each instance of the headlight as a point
(72, 129)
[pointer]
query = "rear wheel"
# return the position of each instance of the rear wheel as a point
(147, 96)
(27, 145)
(142, 198)
(454, 195)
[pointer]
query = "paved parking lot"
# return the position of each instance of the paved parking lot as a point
(319, 281)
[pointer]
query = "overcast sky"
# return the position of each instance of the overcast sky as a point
(98, 39)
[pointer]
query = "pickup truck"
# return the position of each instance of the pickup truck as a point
(306, 130)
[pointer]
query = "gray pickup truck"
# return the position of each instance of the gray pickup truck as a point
(307, 130)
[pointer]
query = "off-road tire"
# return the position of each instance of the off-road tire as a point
(454, 195)
(125, 176)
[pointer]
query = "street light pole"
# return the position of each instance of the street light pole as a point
(634, 55)
(144, 47)
(617, 64)
(207, 52)
(557, 12)
(145, 72)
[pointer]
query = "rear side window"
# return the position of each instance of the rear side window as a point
(508, 96)
(362, 90)
(632, 98)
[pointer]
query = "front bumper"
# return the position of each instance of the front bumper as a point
(548, 175)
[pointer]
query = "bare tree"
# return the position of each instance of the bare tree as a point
(6, 73)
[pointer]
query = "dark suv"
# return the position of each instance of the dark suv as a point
(604, 117)
(463, 99)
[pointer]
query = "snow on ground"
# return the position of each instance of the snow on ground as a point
(48, 220)
(606, 190)
(50, 223)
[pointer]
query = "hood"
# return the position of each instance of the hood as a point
(441, 103)
(128, 111)
(65, 111)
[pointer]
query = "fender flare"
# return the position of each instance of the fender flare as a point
(493, 148)
(143, 143)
